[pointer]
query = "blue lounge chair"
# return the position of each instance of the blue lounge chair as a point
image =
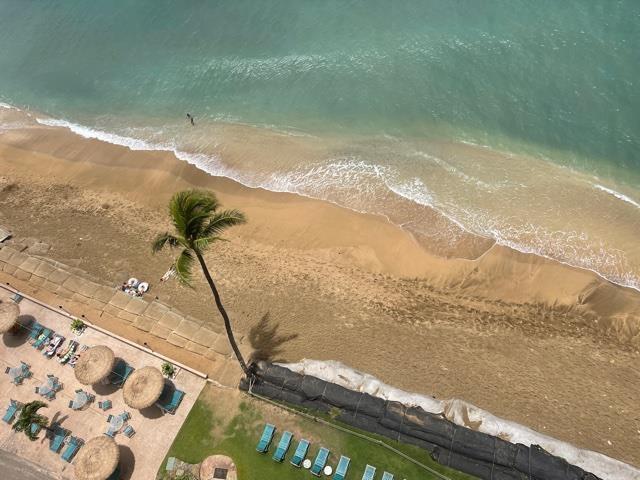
(36, 329)
(369, 473)
(320, 461)
(387, 476)
(59, 434)
(12, 409)
(73, 446)
(110, 432)
(300, 453)
(120, 373)
(35, 428)
(104, 406)
(44, 336)
(129, 431)
(17, 297)
(341, 469)
(283, 446)
(170, 399)
(176, 400)
(265, 439)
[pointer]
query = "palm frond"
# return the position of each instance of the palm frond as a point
(176, 212)
(220, 221)
(183, 266)
(29, 415)
(201, 244)
(165, 239)
(190, 209)
(197, 224)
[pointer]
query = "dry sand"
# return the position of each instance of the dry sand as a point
(531, 340)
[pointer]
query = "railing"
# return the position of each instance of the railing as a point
(64, 313)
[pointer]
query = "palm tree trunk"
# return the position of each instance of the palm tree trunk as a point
(223, 312)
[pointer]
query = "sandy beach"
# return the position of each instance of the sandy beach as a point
(529, 339)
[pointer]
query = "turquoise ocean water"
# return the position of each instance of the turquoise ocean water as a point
(516, 120)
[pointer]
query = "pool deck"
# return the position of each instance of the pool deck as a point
(141, 455)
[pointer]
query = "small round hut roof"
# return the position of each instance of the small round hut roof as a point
(9, 312)
(210, 464)
(97, 459)
(94, 365)
(143, 387)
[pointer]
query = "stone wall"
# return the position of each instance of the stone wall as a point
(144, 313)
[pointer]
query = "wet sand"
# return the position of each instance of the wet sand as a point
(529, 339)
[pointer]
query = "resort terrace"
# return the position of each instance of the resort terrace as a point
(141, 454)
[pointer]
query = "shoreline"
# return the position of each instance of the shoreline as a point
(473, 248)
(370, 241)
(512, 333)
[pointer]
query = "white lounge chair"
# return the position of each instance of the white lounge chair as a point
(54, 344)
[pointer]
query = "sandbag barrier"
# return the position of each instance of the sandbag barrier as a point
(463, 449)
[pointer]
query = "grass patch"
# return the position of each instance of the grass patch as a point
(230, 423)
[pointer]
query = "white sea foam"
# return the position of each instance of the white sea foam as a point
(468, 415)
(416, 191)
(458, 173)
(7, 106)
(618, 195)
(359, 185)
(86, 132)
(208, 163)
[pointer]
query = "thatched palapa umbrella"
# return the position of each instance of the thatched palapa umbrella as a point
(143, 387)
(94, 365)
(97, 459)
(9, 312)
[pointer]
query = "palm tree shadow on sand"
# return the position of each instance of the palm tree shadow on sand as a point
(58, 419)
(265, 340)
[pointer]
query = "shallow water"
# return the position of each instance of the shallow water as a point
(517, 121)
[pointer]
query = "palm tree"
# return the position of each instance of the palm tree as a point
(28, 416)
(198, 224)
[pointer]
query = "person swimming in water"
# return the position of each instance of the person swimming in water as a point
(190, 117)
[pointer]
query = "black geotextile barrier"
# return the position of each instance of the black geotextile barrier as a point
(461, 448)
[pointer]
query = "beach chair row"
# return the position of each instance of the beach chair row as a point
(45, 339)
(58, 436)
(320, 461)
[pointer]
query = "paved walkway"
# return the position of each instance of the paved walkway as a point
(81, 295)
(14, 467)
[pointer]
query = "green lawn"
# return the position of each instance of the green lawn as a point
(230, 423)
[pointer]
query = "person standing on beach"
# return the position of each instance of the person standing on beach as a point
(190, 117)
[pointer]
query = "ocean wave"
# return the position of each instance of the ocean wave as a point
(107, 137)
(618, 195)
(206, 162)
(362, 186)
(571, 248)
(459, 173)
(278, 66)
